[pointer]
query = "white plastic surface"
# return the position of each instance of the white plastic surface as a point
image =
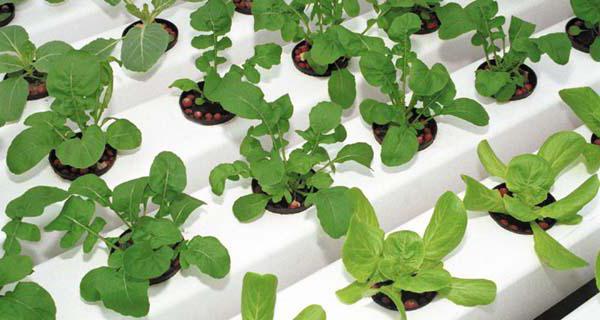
(587, 311)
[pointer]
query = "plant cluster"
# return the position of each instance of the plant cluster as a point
(139, 256)
(259, 293)
(404, 263)
(587, 29)
(301, 178)
(388, 11)
(433, 94)
(26, 67)
(81, 81)
(502, 76)
(528, 181)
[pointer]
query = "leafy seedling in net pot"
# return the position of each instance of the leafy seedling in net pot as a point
(585, 102)
(404, 271)
(283, 182)
(26, 68)
(259, 294)
(27, 300)
(214, 20)
(147, 39)
(81, 83)
(404, 126)
(504, 75)
(584, 29)
(523, 204)
(150, 251)
(389, 10)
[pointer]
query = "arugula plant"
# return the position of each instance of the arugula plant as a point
(144, 252)
(404, 262)
(433, 94)
(585, 102)
(502, 76)
(389, 10)
(588, 26)
(81, 81)
(529, 179)
(293, 180)
(259, 293)
(27, 300)
(214, 20)
(26, 68)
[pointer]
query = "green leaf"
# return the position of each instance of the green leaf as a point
(33, 202)
(334, 209)
(553, 253)
(14, 39)
(424, 281)
(222, 172)
(48, 53)
(454, 21)
(314, 312)
(143, 46)
(489, 83)
(396, 298)
(182, 206)
(519, 210)
(29, 147)
(267, 55)
(362, 208)
(84, 152)
(75, 215)
(354, 292)
(403, 26)
(352, 8)
(13, 93)
(325, 116)
(557, 46)
(29, 301)
(479, 198)
(185, 85)
(378, 69)
(117, 291)
(214, 16)
(490, 161)
(406, 248)
(10, 63)
(342, 88)
(471, 292)
(123, 135)
(520, 29)
(268, 171)
(167, 177)
(561, 149)
(424, 81)
(158, 232)
(362, 249)
(591, 154)
(468, 110)
(529, 177)
(377, 112)
(90, 241)
(446, 227)
(359, 152)
(584, 102)
(93, 187)
(140, 261)
(574, 202)
(14, 268)
(320, 180)
(597, 273)
(250, 207)
(399, 146)
(209, 255)
(17, 229)
(74, 75)
(102, 48)
(258, 296)
(239, 97)
(128, 196)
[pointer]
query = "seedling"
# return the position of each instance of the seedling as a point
(585, 102)
(523, 203)
(405, 126)
(27, 300)
(259, 293)
(215, 17)
(584, 30)
(26, 70)
(81, 81)
(388, 11)
(287, 182)
(503, 76)
(404, 271)
(150, 251)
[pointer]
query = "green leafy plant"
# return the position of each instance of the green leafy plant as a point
(81, 81)
(388, 11)
(26, 68)
(214, 19)
(27, 300)
(289, 181)
(142, 254)
(259, 293)
(405, 122)
(588, 26)
(585, 102)
(404, 263)
(528, 181)
(502, 76)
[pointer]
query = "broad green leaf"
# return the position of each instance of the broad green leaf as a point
(325, 116)
(33, 202)
(74, 75)
(313, 312)
(182, 206)
(29, 147)
(403, 26)
(354, 292)
(586, 10)
(91, 239)
(13, 94)
(520, 29)
(167, 177)
(101, 47)
(239, 97)
(519, 210)
(93, 187)
(320, 180)
(250, 207)
(362, 250)
(48, 53)
(479, 198)
(30, 301)
(454, 21)
(424, 281)
(267, 55)
(326, 49)
(18, 230)
(399, 146)
(342, 88)
(529, 177)
(556, 45)
(334, 209)
(158, 232)
(424, 81)
(552, 253)
(591, 154)
(140, 261)
(123, 135)
(471, 292)
(406, 248)
(377, 69)
(561, 149)
(220, 174)
(363, 210)
(352, 8)
(574, 202)
(268, 171)
(396, 298)
(85, 151)
(14, 39)
(214, 16)
(14, 268)
(209, 255)
(359, 152)
(128, 197)
(490, 161)
(73, 219)
(468, 110)
(143, 46)
(258, 296)
(377, 112)
(446, 227)
(10, 63)
(489, 83)
(584, 101)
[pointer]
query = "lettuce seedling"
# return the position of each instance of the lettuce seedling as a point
(503, 75)
(388, 11)
(584, 30)
(405, 126)
(585, 102)
(151, 250)
(259, 293)
(27, 300)
(287, 181)
(523, 203)
(402, 270)
(215, 18)
(81, 81)
(26, 68)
